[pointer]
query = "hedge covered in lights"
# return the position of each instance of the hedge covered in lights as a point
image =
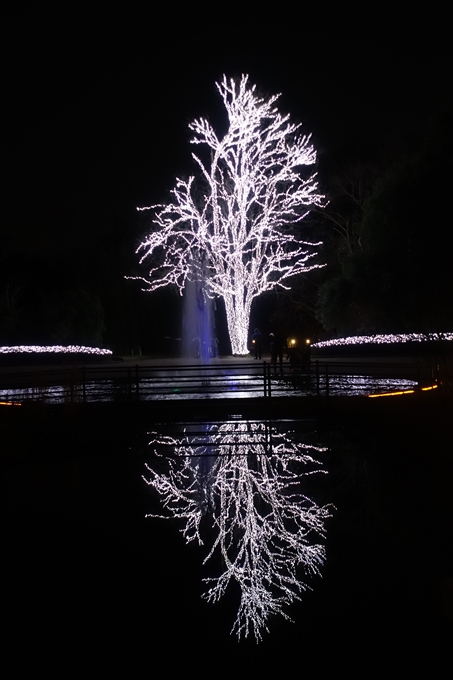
(53, 349)
(51, 354)
(399, 344)
(384, 339)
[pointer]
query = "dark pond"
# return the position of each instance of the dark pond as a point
(86, 576)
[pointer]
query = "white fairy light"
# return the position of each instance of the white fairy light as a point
(244, 479)
(387, 339)
(53, 349)
(238, 238)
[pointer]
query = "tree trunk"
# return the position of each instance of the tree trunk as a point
(238, 319)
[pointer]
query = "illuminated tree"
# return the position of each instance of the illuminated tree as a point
(234, 229)
(243, 480)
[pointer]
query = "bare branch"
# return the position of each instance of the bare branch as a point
(243, 229)
(245, 481)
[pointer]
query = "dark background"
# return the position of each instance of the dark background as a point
(95, 113)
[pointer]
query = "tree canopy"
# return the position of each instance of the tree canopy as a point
(397, 276)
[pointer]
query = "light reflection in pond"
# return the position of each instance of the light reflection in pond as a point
(225, 387)
(245, 480)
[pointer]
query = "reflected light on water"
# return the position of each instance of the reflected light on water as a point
(224, 387)
(237, 488)
(395, 394)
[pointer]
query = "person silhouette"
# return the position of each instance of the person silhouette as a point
(277, 345)
(256, 342)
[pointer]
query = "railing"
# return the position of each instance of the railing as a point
(219, 380)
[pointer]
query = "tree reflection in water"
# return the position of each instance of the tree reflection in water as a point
(245, 479)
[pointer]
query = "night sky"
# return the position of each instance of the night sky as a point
(95, 107)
